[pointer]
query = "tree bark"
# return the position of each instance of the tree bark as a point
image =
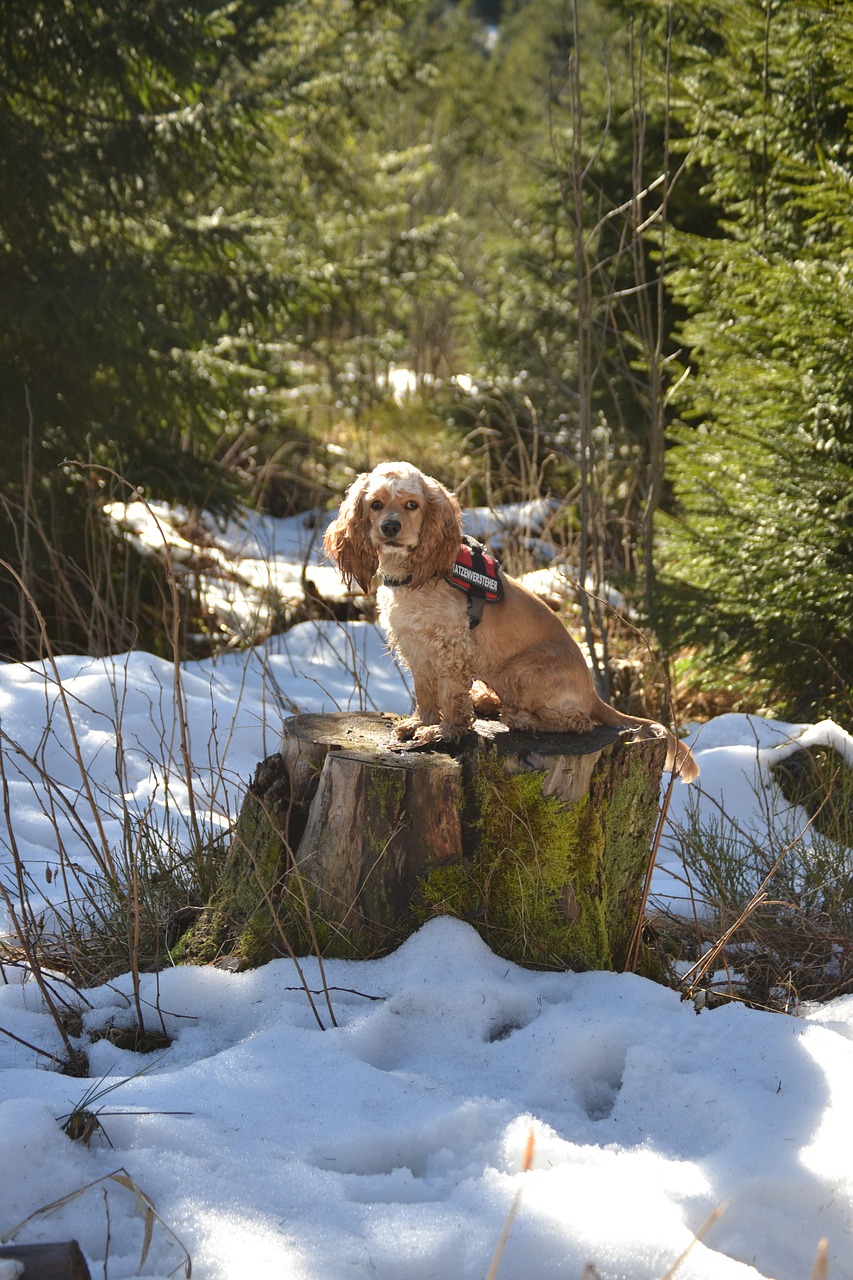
(541, 841)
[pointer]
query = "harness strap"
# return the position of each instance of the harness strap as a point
(475, 610)
(477, 574)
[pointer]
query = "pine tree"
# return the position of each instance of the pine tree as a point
(174, 185)
(757, 562)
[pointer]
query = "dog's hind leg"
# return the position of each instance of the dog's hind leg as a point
(548, 719)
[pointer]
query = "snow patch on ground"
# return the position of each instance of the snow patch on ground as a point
(393, 1145)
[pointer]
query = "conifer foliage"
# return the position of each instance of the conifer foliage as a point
(162, 169)
(209, 212)
(118, 132)
(758, 553)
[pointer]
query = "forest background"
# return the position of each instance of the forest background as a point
(628, 224)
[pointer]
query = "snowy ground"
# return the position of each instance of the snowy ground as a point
(392, 1145)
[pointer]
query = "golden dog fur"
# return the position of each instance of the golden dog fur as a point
(398, 521)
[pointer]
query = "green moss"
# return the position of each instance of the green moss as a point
(534, 886)
(628, 822)
(448, 889)
(293, 920)
(384, 797)
(539, 866)
(549, 884)
(238, 921)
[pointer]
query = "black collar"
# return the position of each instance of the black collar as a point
(396, 582)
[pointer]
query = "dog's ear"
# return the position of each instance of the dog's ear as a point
(346, 540)
(440, 535)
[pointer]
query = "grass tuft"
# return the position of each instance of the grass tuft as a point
(773, 917)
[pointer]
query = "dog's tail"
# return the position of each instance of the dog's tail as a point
(679, 757)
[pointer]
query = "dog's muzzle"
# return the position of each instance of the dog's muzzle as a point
(389, 528)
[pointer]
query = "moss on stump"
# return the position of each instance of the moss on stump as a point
(548, 883)
(240, 922)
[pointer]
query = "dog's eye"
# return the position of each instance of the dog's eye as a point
(376, 505)
(411, 505)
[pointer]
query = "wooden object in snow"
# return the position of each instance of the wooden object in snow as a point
(541, 841)
(63, 1261)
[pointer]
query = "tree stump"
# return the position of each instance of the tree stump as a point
(541, 841)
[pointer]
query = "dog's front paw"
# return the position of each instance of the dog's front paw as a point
(421, 737)
(406, 729)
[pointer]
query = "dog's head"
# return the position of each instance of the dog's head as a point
(396, 517)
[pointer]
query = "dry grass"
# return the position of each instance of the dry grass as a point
(772, 921)
(143, 1205)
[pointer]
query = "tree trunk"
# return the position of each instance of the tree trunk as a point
(541, 841)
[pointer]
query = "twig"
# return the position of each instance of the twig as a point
(706, 1226)
(634, 950)
(21, 927)
(45, 1053)
(72, 731)
(513, 1209)
(143, 1204)
(820, 1270)
(698, 970)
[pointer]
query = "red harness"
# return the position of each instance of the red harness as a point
(477, 574)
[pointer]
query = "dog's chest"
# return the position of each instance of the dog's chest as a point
(416, 618)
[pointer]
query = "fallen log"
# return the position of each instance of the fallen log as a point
(541, 841)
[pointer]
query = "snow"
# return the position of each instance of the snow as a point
(392, 1144)
(250, 567)
(737, 791)
(245, 568)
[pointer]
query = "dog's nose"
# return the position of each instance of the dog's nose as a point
(390, 527)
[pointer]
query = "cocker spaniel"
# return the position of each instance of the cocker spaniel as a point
(516, 658)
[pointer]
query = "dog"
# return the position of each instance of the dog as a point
(517, 659)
